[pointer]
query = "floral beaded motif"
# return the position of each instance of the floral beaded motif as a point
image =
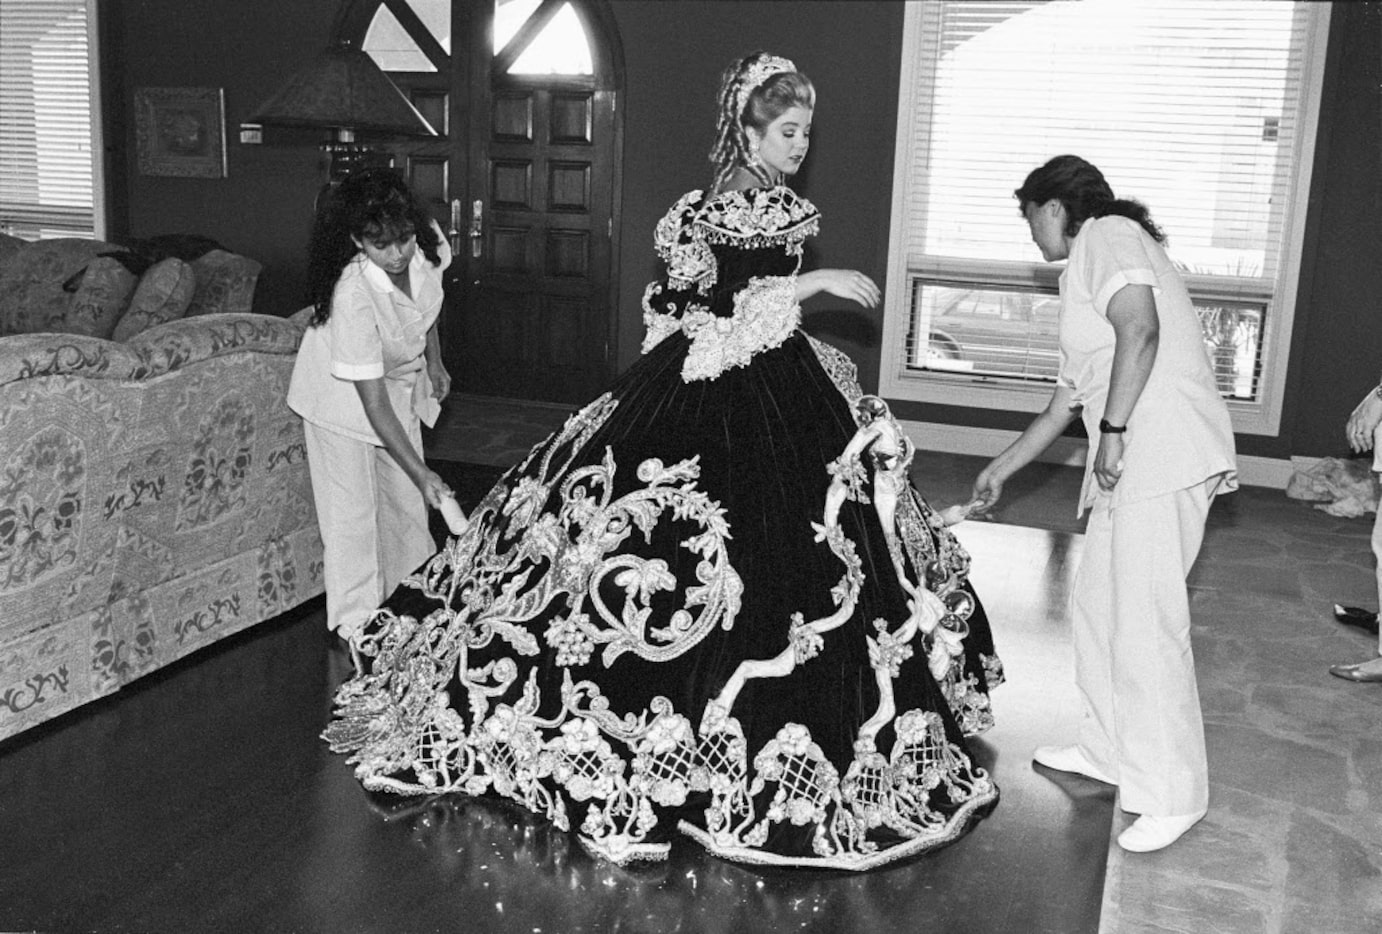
(516, 662)
(407, 734)
(765, 314)
(764, 309)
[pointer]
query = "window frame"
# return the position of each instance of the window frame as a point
(899, 382)
(99, 209)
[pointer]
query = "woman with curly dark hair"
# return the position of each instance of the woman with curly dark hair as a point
(368, 373)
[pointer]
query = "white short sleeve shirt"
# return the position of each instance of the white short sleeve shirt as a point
(374, 331)
(1179, 433)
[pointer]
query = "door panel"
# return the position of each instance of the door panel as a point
(544, 255)
(523, 180)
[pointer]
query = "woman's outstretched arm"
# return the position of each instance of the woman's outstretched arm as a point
(1038, 436)
(844, 283)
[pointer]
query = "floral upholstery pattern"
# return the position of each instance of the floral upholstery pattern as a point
(225, 282)
(163, 294)
(154, 498)
(32, 279)
(9, 245)
(101, 298)
(76, 286)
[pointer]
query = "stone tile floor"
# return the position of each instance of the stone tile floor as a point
(1293, 840)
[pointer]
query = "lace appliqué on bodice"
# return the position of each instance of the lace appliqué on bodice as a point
(758, 217)
(765, 311)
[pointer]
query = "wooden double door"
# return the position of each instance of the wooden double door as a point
(522, 177)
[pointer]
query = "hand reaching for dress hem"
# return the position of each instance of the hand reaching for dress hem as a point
(954, 515)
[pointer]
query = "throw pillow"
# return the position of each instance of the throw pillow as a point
(32, 298)
(8, 245)
(101, 298)
(163, 294)
(225, 282)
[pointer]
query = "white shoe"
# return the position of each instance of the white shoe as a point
(1069, 759)
(1149, 833)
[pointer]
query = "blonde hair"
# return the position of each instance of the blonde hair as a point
(753, 93)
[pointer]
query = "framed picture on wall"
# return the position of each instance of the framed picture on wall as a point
(181, 131)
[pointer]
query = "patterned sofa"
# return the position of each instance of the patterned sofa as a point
(154, 495)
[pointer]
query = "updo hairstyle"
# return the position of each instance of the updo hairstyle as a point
(757, 106)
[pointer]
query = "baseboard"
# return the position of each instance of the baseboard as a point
(1268, 472)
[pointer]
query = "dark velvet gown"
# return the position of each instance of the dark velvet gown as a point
(689, 611)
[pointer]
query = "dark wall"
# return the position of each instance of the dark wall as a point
(1336, 347)
(263, 208)
(674, 52)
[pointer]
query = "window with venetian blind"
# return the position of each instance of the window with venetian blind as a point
(48, 175)
(1203, 111)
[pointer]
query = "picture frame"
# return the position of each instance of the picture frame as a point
(181, 131)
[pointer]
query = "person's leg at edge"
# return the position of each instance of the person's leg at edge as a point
(1370, 670)
(1375, 665)
(1163, 769)
(343, 490)
(1093, 754)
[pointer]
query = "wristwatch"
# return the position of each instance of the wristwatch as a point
(1106, 428)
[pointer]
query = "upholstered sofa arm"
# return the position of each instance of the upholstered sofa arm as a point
(176, 344)
(30, 356)
(161, 349)
(154, 498)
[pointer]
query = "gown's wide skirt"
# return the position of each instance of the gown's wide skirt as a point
(651, 626)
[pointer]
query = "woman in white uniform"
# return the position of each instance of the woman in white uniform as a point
(1134, 366)
(1362, 430)
(368, 374)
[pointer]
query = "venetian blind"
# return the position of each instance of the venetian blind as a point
(46, 167)
(1191, 107)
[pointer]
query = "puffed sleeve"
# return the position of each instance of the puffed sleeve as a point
(690, 272)
(1118, 257)
(357, 352)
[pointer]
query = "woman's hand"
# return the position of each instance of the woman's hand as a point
(436, 370)
(433, 487)
(1363, 422)
(843, 283)
(1108, 461)
(988, 490)
(440, 379)
(382, 418)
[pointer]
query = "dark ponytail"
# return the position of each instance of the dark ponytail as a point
(365, 204)
(1081, 187)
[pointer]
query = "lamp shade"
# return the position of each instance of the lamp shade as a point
(343, 88)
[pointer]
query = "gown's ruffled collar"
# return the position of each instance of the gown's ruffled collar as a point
(748, 217)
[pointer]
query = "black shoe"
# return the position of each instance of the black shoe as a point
(1365, 620)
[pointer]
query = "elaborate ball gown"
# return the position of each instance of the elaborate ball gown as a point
(711, 603)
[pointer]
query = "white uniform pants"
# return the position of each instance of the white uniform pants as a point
(373, 522)
(1133, 663)
(1377, 556)
(1377, 526)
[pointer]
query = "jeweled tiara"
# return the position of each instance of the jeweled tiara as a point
(758, 72)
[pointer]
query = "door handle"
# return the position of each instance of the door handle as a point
(453, 233)
(477, 232)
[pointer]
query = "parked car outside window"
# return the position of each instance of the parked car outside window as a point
(1004, 333)
(992, 331)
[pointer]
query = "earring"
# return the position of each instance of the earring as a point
(753, 151)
